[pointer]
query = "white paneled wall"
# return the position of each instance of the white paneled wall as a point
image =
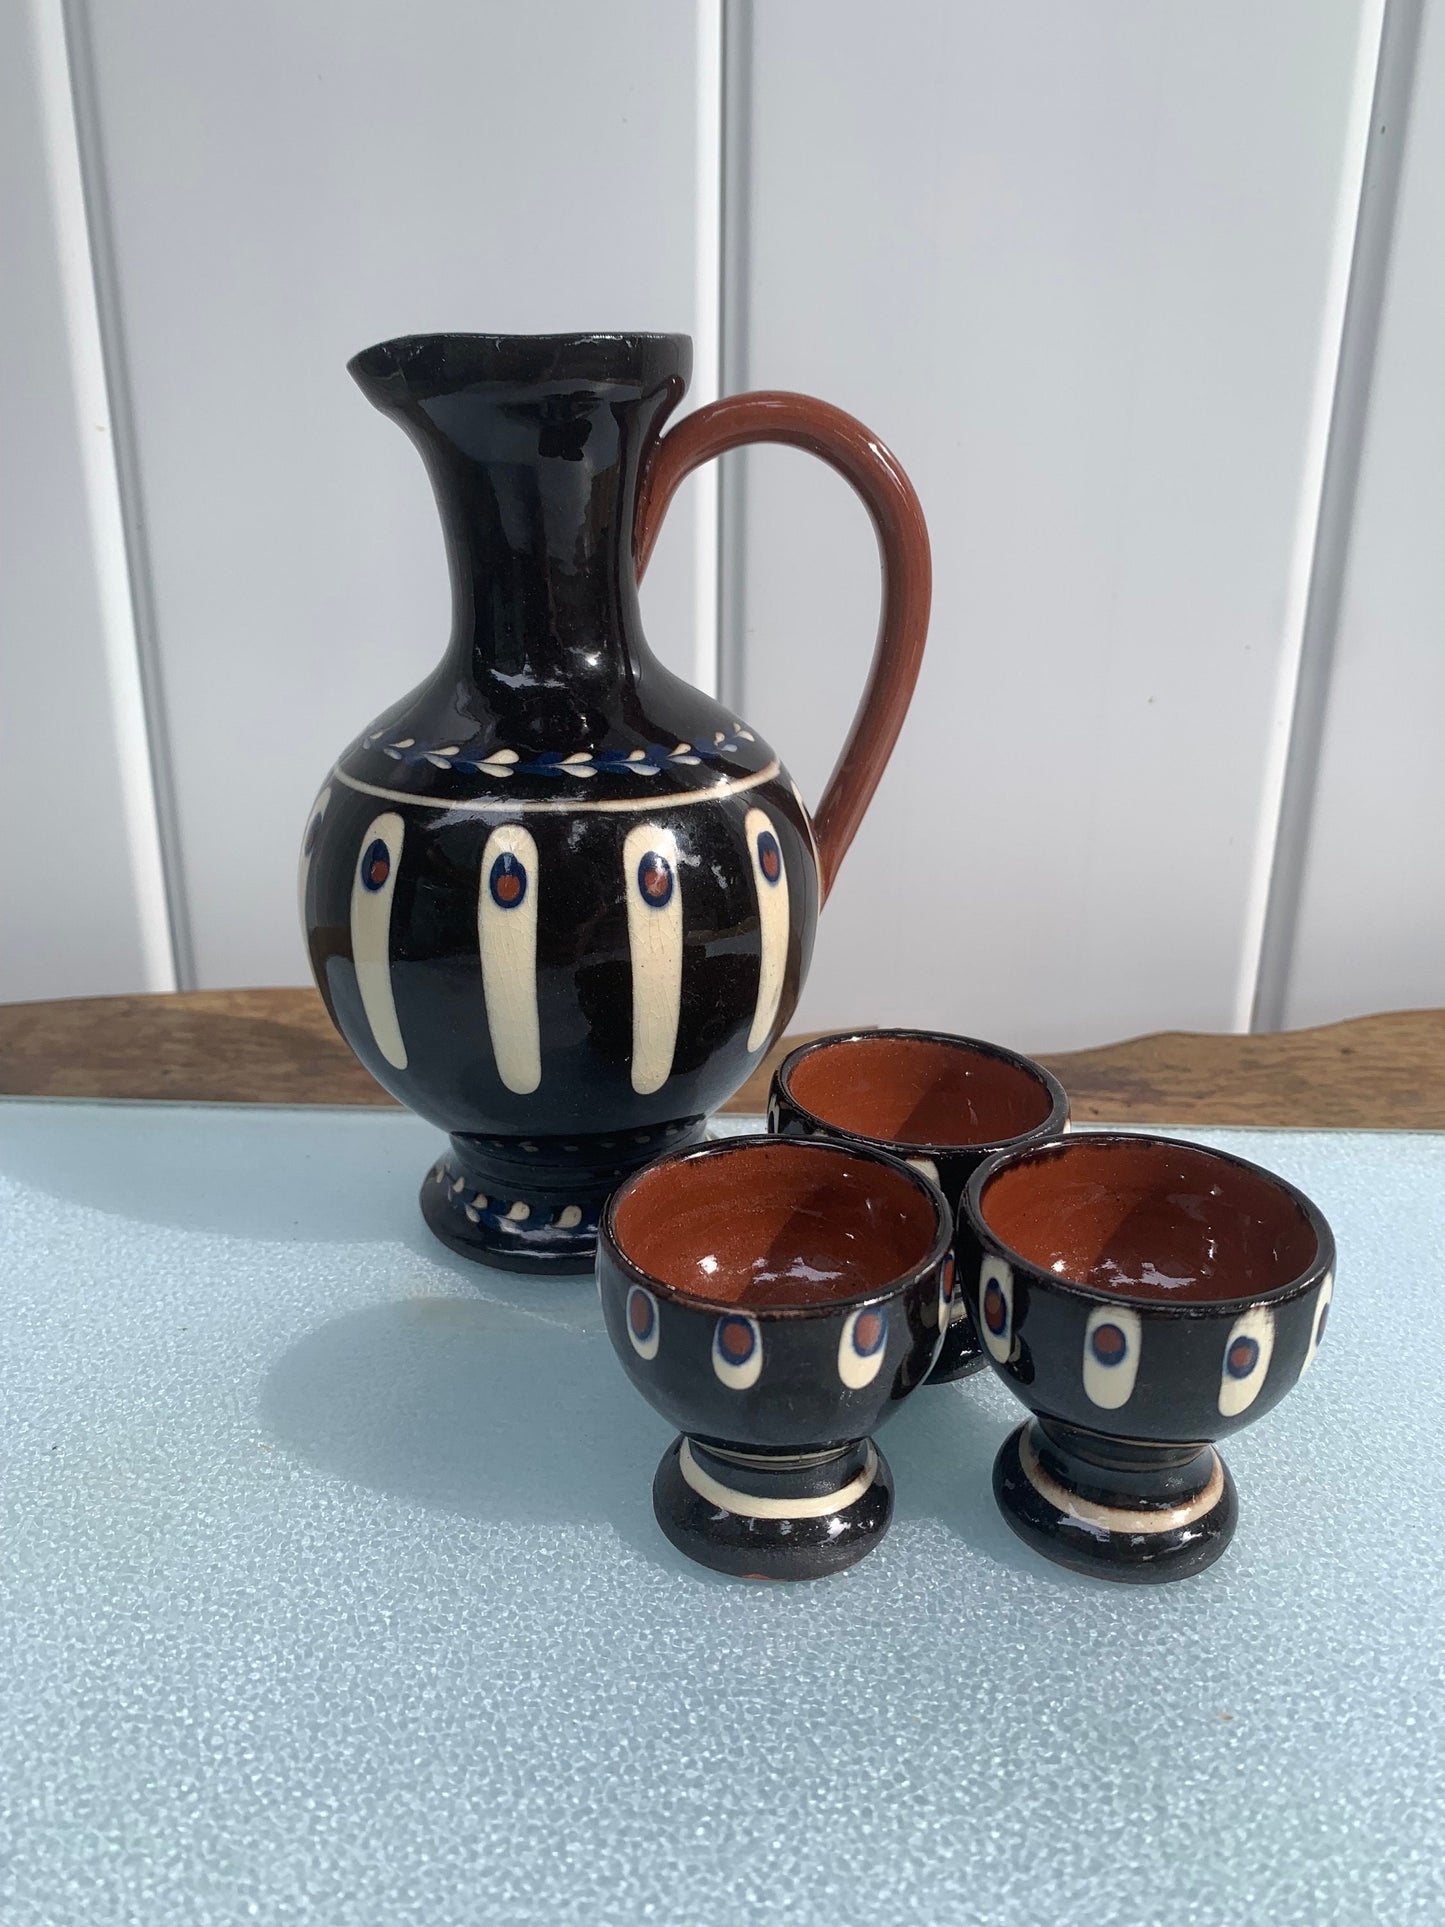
(1089, 283)
(1371, 923)
(83, 900)
(1084, 267)
(286, 183)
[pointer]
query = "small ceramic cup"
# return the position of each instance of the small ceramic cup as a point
(943, 1103)
(775, 1300)
(1143, 1298)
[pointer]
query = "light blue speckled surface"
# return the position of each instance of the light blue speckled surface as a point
(332, 1594)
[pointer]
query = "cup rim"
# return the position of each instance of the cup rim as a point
(1050, 1126)
(724, 1146)
(1322, 1265)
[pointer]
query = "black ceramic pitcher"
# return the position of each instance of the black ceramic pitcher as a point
(557, 900)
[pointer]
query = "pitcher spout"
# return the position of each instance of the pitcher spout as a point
(421, 368)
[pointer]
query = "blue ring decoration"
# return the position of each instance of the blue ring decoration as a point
(746, 1326)
(374, 853)
(507, 865)
(1109, 1359)
(655, 757)
(1242, 1371)
(880, 1312)
(635, 1295)
(993, 1294)
(653, 861)
(496, 1212)
(768, 847)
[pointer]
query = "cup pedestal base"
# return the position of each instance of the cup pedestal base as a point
(760, 1516)
(1153, 1518)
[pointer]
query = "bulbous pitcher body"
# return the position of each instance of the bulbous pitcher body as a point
(558, 901)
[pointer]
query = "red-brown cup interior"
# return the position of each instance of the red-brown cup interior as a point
(1150, 1219)
(918, 1090)
(775, 1224)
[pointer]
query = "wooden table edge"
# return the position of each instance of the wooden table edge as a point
(277, 1046)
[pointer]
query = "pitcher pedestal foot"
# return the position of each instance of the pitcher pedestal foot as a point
(765, 1516)
(533, 1204)
(519, 1234)
(1143, 1525)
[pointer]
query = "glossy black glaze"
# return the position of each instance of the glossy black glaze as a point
(1183, 1538)
(1153, 1453)
(534, 446)
(748, 1547)
(961, 1352)
(797, 1408)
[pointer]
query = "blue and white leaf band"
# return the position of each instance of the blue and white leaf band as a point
(582, 763)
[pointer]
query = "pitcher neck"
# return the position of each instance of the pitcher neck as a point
(535, 447)
(537, 509)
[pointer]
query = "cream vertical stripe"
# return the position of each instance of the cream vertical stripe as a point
(772, 890)
(654, 936)
(507, 939)
(372, 888)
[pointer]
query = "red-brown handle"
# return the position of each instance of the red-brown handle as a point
(858, 455)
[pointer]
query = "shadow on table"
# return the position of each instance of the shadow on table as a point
(502, 1401)
(270, 1177)
(473, 1407)
(941, 1448)
(273, 1175)
(485, 1393)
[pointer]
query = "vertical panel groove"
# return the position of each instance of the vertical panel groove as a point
(95, 428)
(707, 329)
(131, 651)
(1290, 809)
(733, 318)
